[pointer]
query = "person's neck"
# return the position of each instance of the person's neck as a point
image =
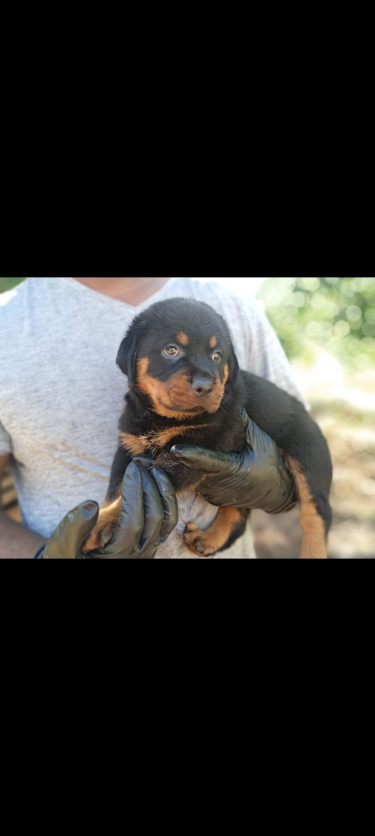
(132, 290)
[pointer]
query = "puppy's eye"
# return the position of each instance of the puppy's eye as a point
(216, 356)
(171, 351)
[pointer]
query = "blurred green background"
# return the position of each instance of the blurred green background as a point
(327, 328)
(337, 314)
(6, 284)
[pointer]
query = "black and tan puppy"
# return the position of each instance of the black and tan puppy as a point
(185, 385)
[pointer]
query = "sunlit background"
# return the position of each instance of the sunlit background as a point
(327, 328)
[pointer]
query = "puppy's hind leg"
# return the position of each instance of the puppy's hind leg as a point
(229, 524)
(315, 515)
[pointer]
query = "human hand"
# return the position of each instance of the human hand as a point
(148, 515)
(68, 538)
(257, 477)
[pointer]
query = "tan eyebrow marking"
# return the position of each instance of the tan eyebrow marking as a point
(213, 342)
(182, 338)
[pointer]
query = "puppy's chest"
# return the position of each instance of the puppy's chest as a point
(157, 441)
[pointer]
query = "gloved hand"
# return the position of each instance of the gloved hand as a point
(256, 478)
(148, 516)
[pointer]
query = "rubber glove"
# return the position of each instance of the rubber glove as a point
(148, 516)
(257, 477)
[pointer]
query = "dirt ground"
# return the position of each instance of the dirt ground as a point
(345, 411)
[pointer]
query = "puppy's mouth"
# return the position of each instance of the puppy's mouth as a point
(176, 397)
(196, 410)
(179, 399)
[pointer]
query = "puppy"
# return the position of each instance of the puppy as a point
(185, 385)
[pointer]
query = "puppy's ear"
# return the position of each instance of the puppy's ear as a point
(234, 368)
(127, 354)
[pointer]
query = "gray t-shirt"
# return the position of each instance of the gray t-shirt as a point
(61, 392)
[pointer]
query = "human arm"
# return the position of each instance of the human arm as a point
(16, 541)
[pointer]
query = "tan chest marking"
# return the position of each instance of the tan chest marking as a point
(162, 438)
(155, 440)
(134, 444)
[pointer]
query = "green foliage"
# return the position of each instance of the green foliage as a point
(335, 313)
(7, 284)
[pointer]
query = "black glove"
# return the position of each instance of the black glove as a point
(148, 515)
(256, 478)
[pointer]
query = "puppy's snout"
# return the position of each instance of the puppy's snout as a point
(202, 385)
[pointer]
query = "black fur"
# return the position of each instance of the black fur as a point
(282, 416)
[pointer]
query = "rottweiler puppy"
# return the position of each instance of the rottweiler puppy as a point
(185, 385)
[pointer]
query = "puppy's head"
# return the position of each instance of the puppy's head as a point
(180, 355)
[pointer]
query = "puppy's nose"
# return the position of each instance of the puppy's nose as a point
(202, 385)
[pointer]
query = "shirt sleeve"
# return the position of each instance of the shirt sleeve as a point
(6, 446)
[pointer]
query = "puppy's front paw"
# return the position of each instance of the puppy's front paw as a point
(99, 537)
(107, 520)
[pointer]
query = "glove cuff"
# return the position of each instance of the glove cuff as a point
(39, 554)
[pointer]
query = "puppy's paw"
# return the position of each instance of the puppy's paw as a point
(198, 542)
(99, 537)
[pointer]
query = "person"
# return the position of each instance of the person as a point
(61, 396)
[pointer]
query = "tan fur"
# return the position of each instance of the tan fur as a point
(159, 439)
(102, 531)
(215, 536)
(155, 440)
(177, 391)
(182, 338)
(312, 525)
(135, 444)
(164, 396)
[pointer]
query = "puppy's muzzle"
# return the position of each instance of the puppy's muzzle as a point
(202, 386)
